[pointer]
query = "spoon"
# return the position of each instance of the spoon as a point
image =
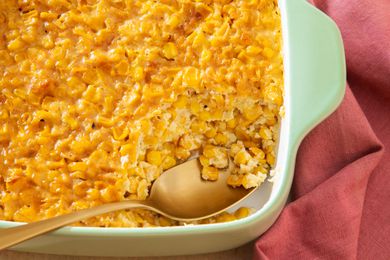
(179, 193)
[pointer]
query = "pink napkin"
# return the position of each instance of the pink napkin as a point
(341, 190)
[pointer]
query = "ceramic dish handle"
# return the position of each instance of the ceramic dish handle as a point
(318, 74)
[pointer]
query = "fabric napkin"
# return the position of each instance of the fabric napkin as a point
(341, 190)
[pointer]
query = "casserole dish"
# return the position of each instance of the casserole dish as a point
(314, 73)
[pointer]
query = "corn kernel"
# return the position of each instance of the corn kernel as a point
(109, 194)
(242, 212)
(252, 113)
(16, 44)
(47, 16)
(232, 123)
(241, 133)
(198, 127)
(204, 161)
(253, 50)
(205, 56)
(199, 40)
(191, 77)
(43, 115)
(268, 52)
(209, 151)
(242, 157)
(106, 122)
(234, 180)
(261, 169)
(168, 162)
(78, 175)
(154, 157)
(122, 68)
(127, 149)
(138, 73)
(210, 173)
(80, 189)
(120, 134)
(265, 133)
(221, 139)
(89, 77)
(212, 132)
(270, 159)
(195, 107)
(25, 213)
(205, 115)
(273, 95)
(93, 194)
(47, 42)
(257, 152)
(77, 166)
(225, 217)
(170, 50)
(173, 21)
(181, 102)
(182, 153)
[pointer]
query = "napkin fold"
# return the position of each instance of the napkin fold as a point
(341, 189)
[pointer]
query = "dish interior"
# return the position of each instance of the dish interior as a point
(98, 98)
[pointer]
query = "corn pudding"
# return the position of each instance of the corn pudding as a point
(99, 97)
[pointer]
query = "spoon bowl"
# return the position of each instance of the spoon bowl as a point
(179, 193)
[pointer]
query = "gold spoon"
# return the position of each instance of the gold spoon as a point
(179, 194)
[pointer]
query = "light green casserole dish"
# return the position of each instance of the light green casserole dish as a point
(315, 78)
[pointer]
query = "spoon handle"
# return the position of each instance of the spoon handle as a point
(18, 234)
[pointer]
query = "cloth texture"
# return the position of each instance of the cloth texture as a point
(340, 205)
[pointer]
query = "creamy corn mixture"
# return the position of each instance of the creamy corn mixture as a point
(99, 97)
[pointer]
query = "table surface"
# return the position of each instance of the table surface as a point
(243, 252)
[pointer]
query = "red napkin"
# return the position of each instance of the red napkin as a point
(341, 190)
